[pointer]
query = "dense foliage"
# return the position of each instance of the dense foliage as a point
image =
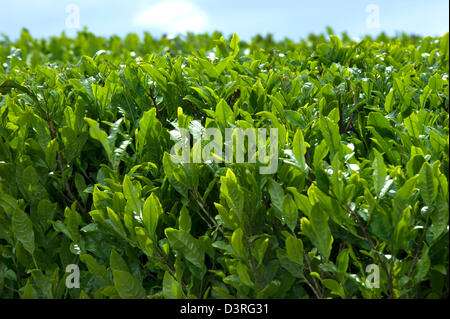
(86, 127)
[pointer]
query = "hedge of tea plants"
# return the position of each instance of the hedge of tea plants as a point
(357, 208)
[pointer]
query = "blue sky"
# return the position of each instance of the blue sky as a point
(284, 18)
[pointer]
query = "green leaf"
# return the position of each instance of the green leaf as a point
(8, 85)
(439, 218)
(116, 223)
(299, 150)
(444, 47)
(50, 154)
(171, 287)
(330, 132)
(402, 229)
(151, 213)
(189, 248)
(132, 195)
(232, 194)
(234, 45)
(342, 260)
(301, 201)
(269, 290)
(100, 135)
(117, 263)
(427, 184)
(377, 120)
(322, 179)
(88, 65)
(318, 231)
(238, 244)
(260, 248)
(224, 114)
(276, 194)
(23, 230)
(294, 249)
(379, 173)
(334, 286)
(184, 221)
(127, 286)
(243, 273)
(149, 138)
(289, 212)
(72, 221)
(29, 292)
(423, 265)
(389, 101)
(43, 283)
(95, 268)
(320, 152)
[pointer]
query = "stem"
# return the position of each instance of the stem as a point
(417, 249)
(317, 291)
(169, 263)
(153, 98)
(60, 164)
(372, 246)
(194, 108)
(19, 280)
(202, 207)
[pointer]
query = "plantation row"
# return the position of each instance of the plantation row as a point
(356, 208)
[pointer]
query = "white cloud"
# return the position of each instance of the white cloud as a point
(173, 17)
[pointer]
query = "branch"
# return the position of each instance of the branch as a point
(61, 166)
(316, 289)
(202, 207)
(372, 246)
(153, 98)
(417, 249)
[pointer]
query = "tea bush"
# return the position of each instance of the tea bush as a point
(87, 179)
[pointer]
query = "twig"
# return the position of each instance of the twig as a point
(60, 165)
(193, 107)
(170, 264)
(417, 249)
(350, 121)
(316, 289)
(202, 207)
(372, 246)
(153, 98)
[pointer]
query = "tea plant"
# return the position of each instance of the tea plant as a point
(87, 179)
